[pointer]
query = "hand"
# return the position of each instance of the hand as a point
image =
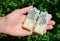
(15, 20)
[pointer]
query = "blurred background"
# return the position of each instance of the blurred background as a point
(52, 6)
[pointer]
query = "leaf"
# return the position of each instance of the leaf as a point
(58, 14)
(29, 38)
(58, 36)
(56, 1)
(58, 25)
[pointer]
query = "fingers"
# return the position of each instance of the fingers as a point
(49, 27)
(51, 22)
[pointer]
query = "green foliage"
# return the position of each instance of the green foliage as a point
(52, 6)
(58, 14)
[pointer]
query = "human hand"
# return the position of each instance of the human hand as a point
(15, 20)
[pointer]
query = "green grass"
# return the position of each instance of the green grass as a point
(52, 6)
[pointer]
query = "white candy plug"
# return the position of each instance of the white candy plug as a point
(31, 18)
(42, 22)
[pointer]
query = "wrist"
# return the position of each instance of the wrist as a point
(2, 24)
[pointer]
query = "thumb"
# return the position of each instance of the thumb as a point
(25, 10)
